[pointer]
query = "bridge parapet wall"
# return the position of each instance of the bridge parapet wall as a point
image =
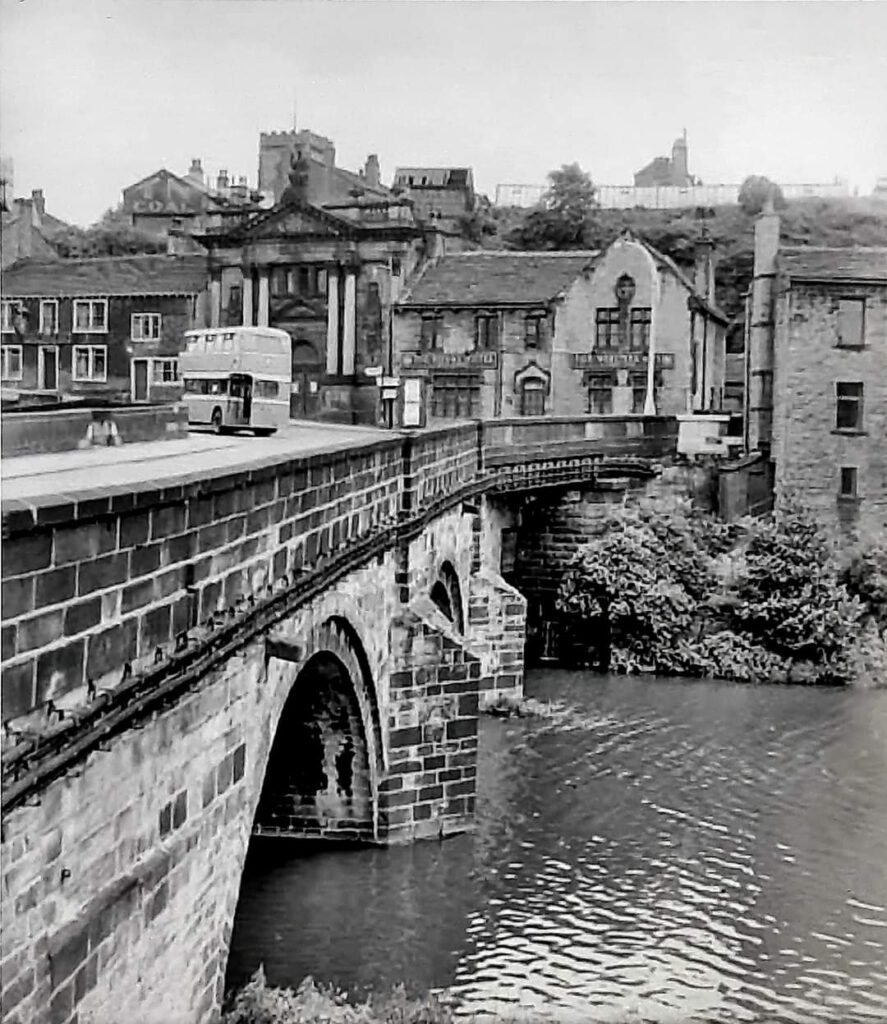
(92, 586)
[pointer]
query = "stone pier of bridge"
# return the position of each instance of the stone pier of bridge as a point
(216, 639)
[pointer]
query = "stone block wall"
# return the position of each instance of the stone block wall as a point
(808, 450)
(430, 785)
(107, 581)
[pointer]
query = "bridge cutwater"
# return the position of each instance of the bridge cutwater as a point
(209, 639)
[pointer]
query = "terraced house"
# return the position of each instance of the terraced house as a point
(617, 332)
(105, 328)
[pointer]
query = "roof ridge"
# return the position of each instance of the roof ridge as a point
(558, 253)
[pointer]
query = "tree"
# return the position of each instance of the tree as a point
(112, 235)
(560, 219)
(754, 193)
(790, 597)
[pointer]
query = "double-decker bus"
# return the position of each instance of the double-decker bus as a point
(237, 378)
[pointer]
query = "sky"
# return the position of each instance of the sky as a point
(96, 94)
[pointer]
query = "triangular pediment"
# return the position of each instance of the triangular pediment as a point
(297, 220)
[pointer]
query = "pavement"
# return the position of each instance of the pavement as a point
(68, 476)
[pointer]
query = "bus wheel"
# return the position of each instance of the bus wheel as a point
(264, 431)
(217, 421)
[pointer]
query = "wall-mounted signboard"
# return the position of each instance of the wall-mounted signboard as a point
(450, 360)
(619, 360)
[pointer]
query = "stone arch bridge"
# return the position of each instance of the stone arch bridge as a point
(297, 647)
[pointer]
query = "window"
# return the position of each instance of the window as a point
(606, 328)
(532, 398)
(395, 267)
(849, 482)
(432, 331)
(203, 386)
(49, 316)
(639, 338)
(848, 405)
(91, 316)
(12, 362)
(600, 393)
(266, 389)
(638, 391)
(90, 362)
(145, 326)
(165, 371)
(535, 330)
(851, 323)
(7, 310)
(321, 281)
(455, 396)
(486, 331)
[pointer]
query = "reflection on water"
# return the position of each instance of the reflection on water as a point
(669, 851)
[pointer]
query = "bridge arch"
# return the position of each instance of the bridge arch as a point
(321, 778)
(446, 593)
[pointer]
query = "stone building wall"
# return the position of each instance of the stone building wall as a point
(808, 450)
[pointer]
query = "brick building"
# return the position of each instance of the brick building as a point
(108, 328)
(488, 334)
(327, 272)
(818, 376)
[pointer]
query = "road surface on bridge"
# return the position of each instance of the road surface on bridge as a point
(60, 476)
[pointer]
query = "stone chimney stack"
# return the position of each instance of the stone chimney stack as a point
(39, 202)
(759, 342)
(195, 172)
(371, 171)
(704, 268)
(222, 181)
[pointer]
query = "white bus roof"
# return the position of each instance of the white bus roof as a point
(237, 330)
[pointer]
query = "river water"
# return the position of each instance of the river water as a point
(655, 850)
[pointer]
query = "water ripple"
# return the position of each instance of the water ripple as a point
(646, 851)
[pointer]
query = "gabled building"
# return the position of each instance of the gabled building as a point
(26, 229)
(165, 203)
(817, 404)
(328, 275)
(617, 332)
(108, 328)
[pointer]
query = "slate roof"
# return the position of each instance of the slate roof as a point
(823, 264)
(106, 275)
(487, 278)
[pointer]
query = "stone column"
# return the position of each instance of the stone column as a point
(262, 317)
(349, 327)
(247, 298)
(215, 300)
(332, 321)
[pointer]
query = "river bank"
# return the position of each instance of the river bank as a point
(663, 587)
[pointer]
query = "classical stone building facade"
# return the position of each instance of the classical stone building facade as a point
(620, 331)
(829, 433)
(108, 328)
(327, 273)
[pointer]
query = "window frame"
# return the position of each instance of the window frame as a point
(6, 314)
(534, 331)
(5, 353)
(431, 331)
(851, 494)
(640, 317)
(606, 329)
(486, 332)
(141, 338)
(537, 388)
(160, 361)
(860, 343)
(92, 378)
(91, 329)
(594, 386)
(54, 304)
(856, 400)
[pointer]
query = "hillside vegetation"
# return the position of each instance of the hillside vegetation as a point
(817, 222)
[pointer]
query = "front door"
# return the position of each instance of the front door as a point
(304, 393)
(48, 367)
(140, 380)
